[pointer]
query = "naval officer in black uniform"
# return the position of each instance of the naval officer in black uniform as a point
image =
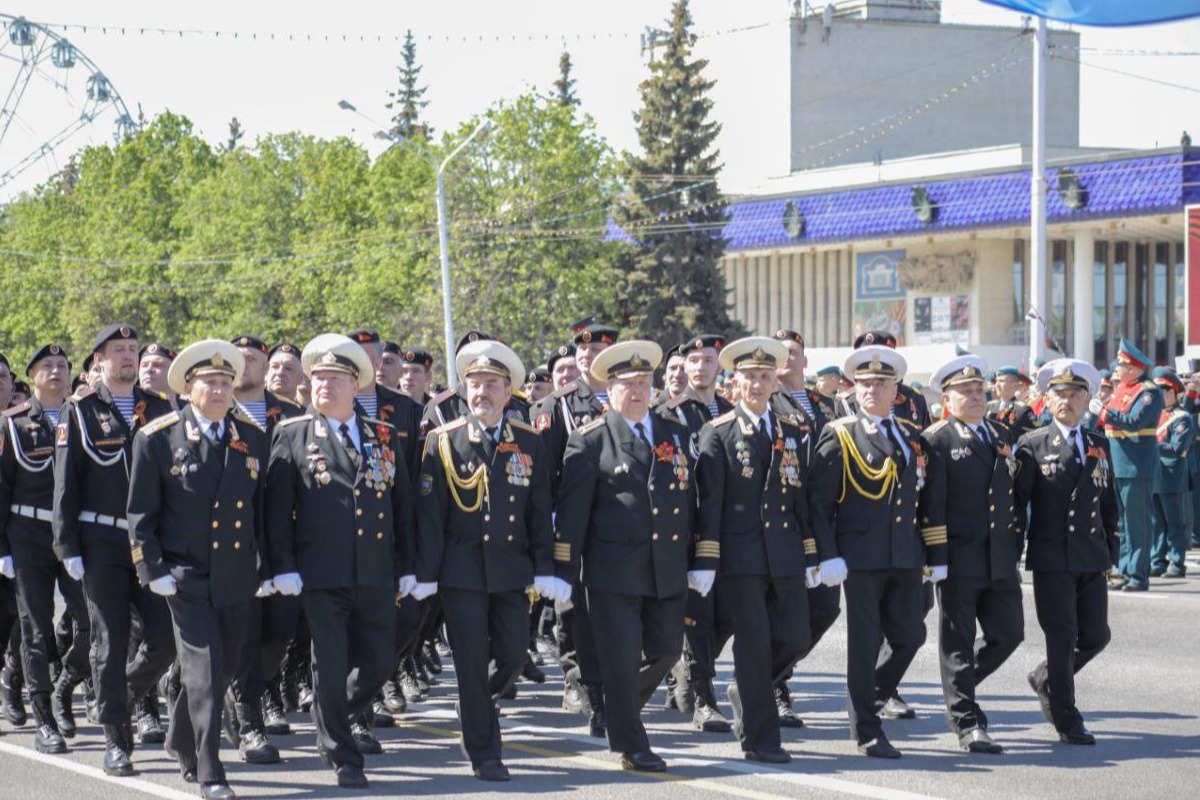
(1066, 478)
(871, 511)
(196, 528)
(483, 536)
(339, 528)
(973, 474)
(751, 474)
(626, 508)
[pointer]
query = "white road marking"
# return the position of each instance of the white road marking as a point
(136, 784)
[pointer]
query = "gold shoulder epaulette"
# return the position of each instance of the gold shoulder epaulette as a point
(591, 426)
(284, 401)
(283, 423)
(724, 419)
(82, 392)
(374, 421)
(570, 388)
(1001, 425)
(520, 395)
(521, 424)
(842, 422)
(163, 396)
(937, 426)
(909, 423)
(674, 403)
(443, 396)
(159, 423)
(20, 408)
(452, 425)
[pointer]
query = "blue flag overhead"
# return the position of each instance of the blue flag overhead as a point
(1105, 12)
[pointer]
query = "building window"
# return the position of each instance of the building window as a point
(1058, 294)
(1120, 281)
(1162, 347)
(1180, 301)
(1100, 303)
(1019, 296)
(1140, 301)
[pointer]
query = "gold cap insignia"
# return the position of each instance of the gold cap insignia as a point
(218, 361)
(876, 364)
(637, 362)
(1068, 375)
(54, 349)
(586, 336)
(759, 353)
(328, 358)
(125, 331)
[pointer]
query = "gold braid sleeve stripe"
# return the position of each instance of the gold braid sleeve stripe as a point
(708, 549)
(810, 547)
(935, 535)
(562, 551)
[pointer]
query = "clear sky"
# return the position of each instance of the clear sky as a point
(295, 85)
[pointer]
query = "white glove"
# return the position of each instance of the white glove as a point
(265, 589)
(288, 584)
(422, 590)
(544, 586)
(562, 591)
(406, 584)
(812, 577)
(164, 586)
(833, 571)
(1095, 406)
(6, 568)
(701, 580)
(937, 574)
(74, 568)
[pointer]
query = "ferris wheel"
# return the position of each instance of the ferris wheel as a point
(57, 94)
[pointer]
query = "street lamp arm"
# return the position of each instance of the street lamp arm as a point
(480, 128)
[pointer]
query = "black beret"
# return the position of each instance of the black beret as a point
(21, 387)
(784, 335)
(392, 347)
(44, 351)
(253, 342)
(473, 336)
(285, 347)
(563, 351)
(540, 374)
(875, 337)
(118, 330)
(702, 341)
(415, 355)
(364, 335)
(588, 330)
(157, 349)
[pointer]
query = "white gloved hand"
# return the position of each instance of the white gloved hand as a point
(562, 591)
(812, 577)
(164, 586)
(422, 590)
(265, 589)
(74, 567)
(405, 587)
(701, 580)
(6, 567)
(1096, 406)
(936, 574)
(833, 571)
(288, 584)
(544, 586)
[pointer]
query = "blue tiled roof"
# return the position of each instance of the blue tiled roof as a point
(1160, 183)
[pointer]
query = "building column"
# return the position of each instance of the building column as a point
(1083, 296)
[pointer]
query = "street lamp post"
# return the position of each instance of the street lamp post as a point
(443, 222)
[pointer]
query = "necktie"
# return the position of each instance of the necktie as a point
(641, 432)
(491, 433)
(214, 434)
(348, 443)
(762, 428)
(897, 447)
(982, 433)
(1076, 445)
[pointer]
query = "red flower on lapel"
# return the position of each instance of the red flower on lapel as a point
(665, 452)
(240, 445)
(386, 412)
(274, 412)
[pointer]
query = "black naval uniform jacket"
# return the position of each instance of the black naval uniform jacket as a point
(630, 522)
(450, 404)
(1073, 507)
(693, 412)
(91, 468)
(503, 543)
(26, 480)
(753, 495)
(975, 482)
(195, 511)
(278, 409)
(902, 529)
(909, 405)
(337, 526)
(1013, 413)
(782, 402)
(404, 415)
(557, 416)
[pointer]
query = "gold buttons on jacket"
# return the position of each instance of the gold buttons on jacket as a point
(510, 537)
(654, 537)
(237, 524)
(237, 545)
(358, 512)
(216, 524)
(381, 515)
(216, 545)
(655, 510)
(487, 538)
(487, 517)
(240, 504)
(360, 531)
(379, 535)
(357, 492)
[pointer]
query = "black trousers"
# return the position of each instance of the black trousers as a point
(412, 616)
(210, 643)
(824, 607)
(9, 620)
(483, 626)
(1072, 609)
(891, 666)
(353, 654)
(576, 640)
(113, 597)
(637, 639)
(966, 660)
(708, 624)
(770, 633)
(270, 626)
(38, 571)
(879, 603)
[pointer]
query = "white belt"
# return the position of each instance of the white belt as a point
(104, 519)
(33, 512)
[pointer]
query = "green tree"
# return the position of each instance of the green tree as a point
(675, 286)
(564, 87)
(408, 100)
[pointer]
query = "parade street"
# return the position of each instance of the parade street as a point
(1139, 697)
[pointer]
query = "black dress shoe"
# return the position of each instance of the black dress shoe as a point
(48, 740)
(381, 717)
(879, 748)
(351, 777)
(274, 719)
(149, 729)
(783, 704)
(60, 706)
(977, 740)
(187, 772)
(10, 697)
(116, 758)
(644, 761)
(256, 748)
(1135, 587)
(896, 708)
(1043, 696)
(1077, 735)
(708, 719)
(393, 698)
(366, 742)
(1175, 572)
(597, 724)
(217, 791)
(767, 756)
(531, 672)
(492, 771)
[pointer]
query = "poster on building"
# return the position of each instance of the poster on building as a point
(1191, 218)
(880, 315)
(942, 320)
(877, 276)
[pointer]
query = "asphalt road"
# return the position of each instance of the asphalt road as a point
(1140, 697)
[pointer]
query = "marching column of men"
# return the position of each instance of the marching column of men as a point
(659, 529)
